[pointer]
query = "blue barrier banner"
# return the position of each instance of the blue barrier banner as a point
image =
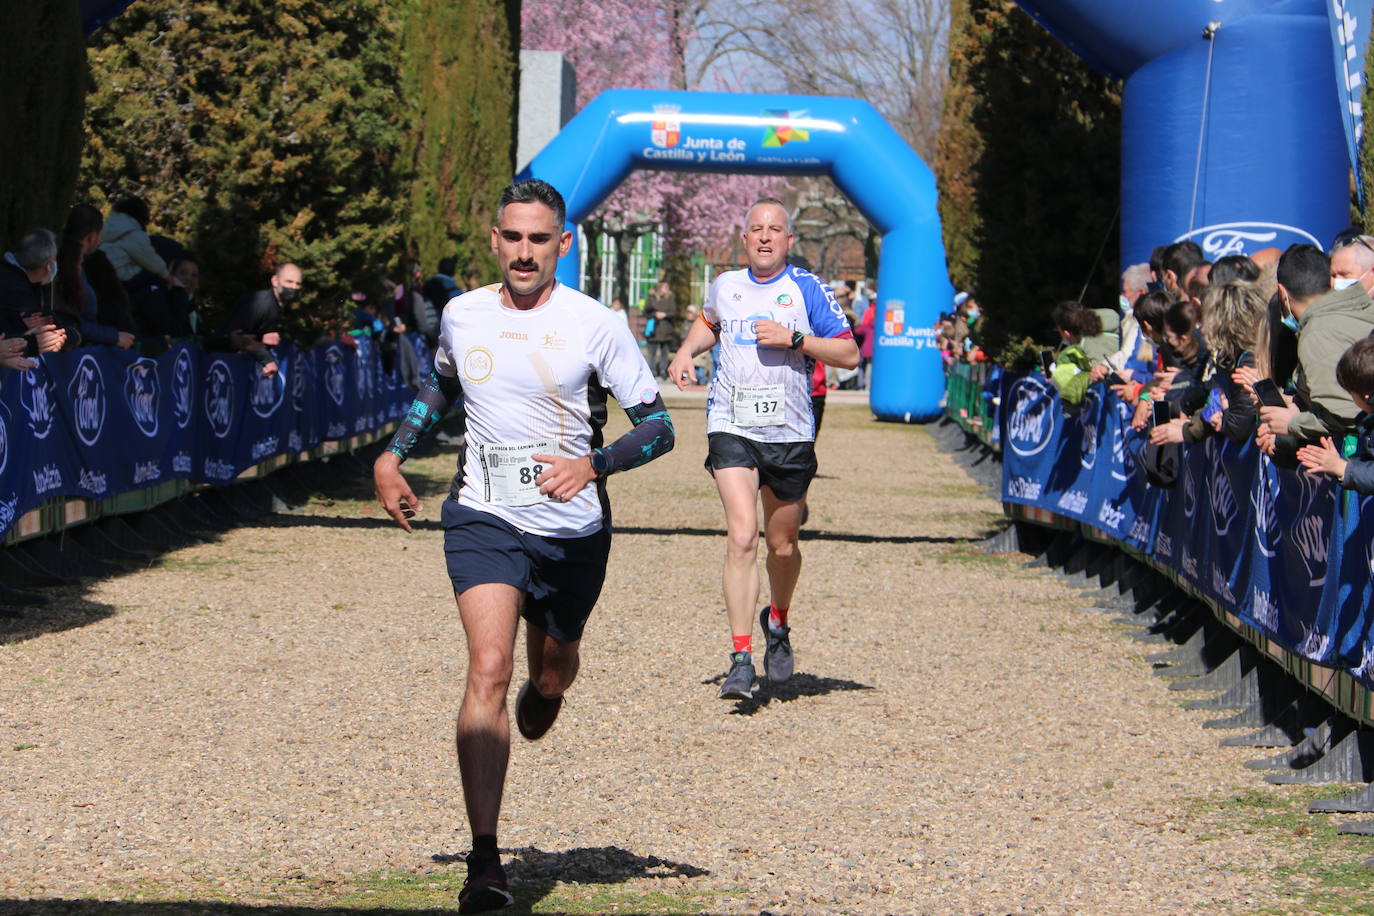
(1350, 41)
(1288, 552)
(99, 422)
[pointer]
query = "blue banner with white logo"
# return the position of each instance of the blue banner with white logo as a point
(98, 422)
(1350, 41)
(1289, 552)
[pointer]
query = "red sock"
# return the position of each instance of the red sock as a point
(777, 617)
(744, 643)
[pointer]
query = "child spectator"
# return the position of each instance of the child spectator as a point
(1355, 373)
(1070, 373)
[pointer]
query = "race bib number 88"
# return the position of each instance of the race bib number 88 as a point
(758, 405)
(511, 472)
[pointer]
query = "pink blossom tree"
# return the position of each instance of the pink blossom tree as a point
(617, 44)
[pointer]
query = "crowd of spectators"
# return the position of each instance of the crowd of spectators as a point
(106, 281)
(1274, 348)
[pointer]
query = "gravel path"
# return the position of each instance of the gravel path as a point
(961, 737)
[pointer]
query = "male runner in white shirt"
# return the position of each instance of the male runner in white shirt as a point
(527, 524)
(772, 322)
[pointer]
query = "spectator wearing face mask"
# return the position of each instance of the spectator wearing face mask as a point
(1327, 321)
(255, 322)
(26, 294)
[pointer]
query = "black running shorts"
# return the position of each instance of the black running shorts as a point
(561, 577)
(786, 468)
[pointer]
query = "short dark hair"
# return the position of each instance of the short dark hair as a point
(1234, 267)
(447, 266)
(1157, 260)
(1181, 318)
(1151, 307)
(1080, 322)
(1181, 257)
(135, 207)
(534, 191)
(1305, 271)
(1355, 369)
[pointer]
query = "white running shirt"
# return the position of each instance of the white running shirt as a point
(770, 385)
(525, 378)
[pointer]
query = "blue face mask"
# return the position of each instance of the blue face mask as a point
(1125, 303)
(52, 277)
(1290, 323)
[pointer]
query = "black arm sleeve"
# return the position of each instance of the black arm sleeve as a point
(652, 436)
(437, 393)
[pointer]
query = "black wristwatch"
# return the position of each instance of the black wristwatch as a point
(600, 464)
(797, 338)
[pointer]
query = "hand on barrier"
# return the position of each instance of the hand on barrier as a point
(1322, 459)
(12, 354)
(393, 493)
(1142, 416)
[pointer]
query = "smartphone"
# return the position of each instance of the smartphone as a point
(1160, 413)
(1114, 379)
(1047, 360)
(1268, 393)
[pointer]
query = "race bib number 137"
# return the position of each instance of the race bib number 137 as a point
(758, 405)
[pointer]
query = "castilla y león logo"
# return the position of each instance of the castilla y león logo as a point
(666, 129)
(780, 130)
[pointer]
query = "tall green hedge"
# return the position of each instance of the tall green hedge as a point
(43, 70)
(1028, 165)
(339, 134)
(459, 64)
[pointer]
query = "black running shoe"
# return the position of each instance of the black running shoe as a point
(777, 653)
(535, 713)
(485, 888)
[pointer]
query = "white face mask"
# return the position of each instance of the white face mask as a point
(1345, 282)
(1125, 303)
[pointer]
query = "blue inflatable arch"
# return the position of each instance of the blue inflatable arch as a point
(846, 139)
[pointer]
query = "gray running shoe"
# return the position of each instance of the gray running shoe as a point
(739, 683)
(777, 654)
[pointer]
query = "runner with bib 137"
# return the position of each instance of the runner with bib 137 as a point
(773, 322)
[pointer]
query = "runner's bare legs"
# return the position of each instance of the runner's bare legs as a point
(739, 489)
(491, 614)
(781, 528)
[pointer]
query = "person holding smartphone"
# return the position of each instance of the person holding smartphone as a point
(1327, 321)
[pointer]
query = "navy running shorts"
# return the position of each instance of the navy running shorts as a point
(561, 577)
(786, 468)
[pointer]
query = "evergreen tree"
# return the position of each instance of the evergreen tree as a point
(459, 67)
(1028, 165)
(259, 133)
(43, 70)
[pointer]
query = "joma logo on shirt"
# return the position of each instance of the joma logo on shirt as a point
(514, 335)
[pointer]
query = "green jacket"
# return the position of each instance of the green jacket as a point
(1325, 331)
(1071, 375)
